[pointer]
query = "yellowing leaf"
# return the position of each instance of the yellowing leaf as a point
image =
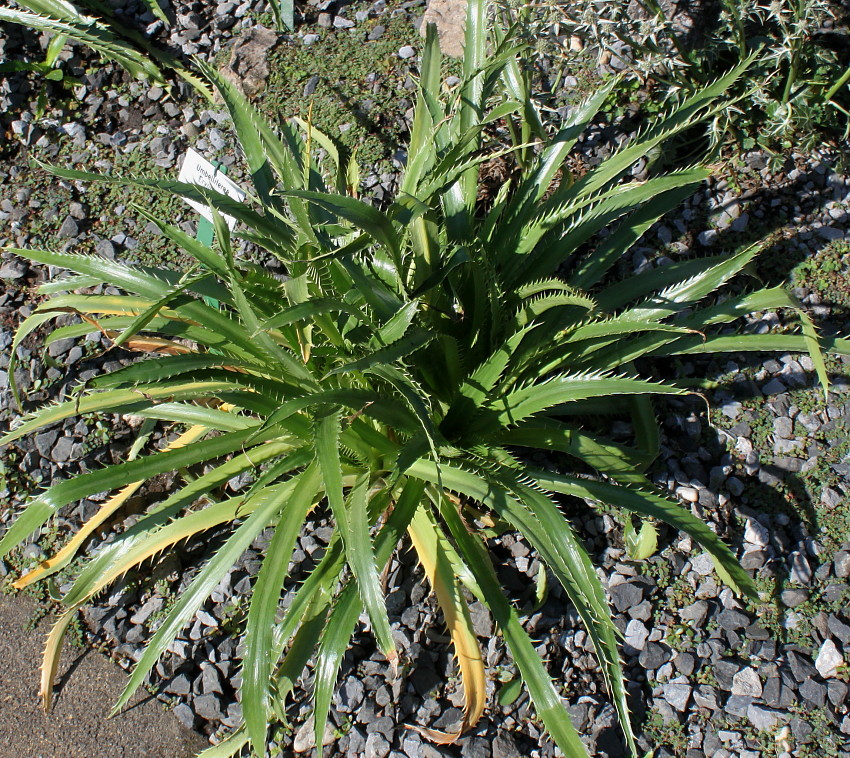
(434, 552)
(52, 651)
(62, 557)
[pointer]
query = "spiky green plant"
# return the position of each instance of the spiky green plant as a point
(397, 377)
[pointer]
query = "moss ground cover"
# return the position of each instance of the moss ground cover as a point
(354, 89)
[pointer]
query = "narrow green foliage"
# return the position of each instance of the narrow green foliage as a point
(397, 378)
(104, 34)
(257, 666)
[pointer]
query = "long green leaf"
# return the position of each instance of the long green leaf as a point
(538, 519)
(650, 504)
(257, 665)
(678, 296)
(744, 343)
(351, 520)
(535, 258)
(159, 528)
(92, 34)
(602, 454)
(212, 418)
(111, 401)
(313, 308)
(272, 227)
(525, 402)
(363, 216)
(630, 230)
(47, 503)
(348, 606)
(421, 153)
(683, 115)
(547, 702)
(265, 505)
(401, 348)
(159, 369)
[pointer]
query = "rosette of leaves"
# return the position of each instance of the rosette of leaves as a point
(398, 377)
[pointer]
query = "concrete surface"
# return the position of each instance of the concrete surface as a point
(77, 726)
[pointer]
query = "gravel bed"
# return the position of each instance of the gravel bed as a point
(708, 674)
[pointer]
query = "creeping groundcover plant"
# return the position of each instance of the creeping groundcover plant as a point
(400, 376)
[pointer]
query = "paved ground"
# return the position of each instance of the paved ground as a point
(77, 726)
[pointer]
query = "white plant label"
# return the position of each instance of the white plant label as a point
(199, 171)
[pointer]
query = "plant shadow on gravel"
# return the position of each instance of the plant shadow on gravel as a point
(774, 488)
(75, 664)
(779, 257)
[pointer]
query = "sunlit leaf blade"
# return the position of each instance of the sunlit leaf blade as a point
(348, 606)
(399, 349)
(363, 216)
(519, 405)
(230, 747)
(120, 475)
(137, 545)
(353, 525)
(627, 234)
(52, 651)
(362, 561)
(203, 584)
(257, 665)
(743, 343)
(335, 638)
(537, 518)
(547, 703)
(311, 309)
(67, 553)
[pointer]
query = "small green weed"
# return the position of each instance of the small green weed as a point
(670, 734)
(827, 272)
(707, 676)
(825, 738)
(681, 637)
(658, 569)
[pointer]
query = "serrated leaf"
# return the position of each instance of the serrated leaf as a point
(190, 601)
(547, 702)
(651, 504)
(402, 348)
(352, 523)
(437, 557)
(257, 664)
